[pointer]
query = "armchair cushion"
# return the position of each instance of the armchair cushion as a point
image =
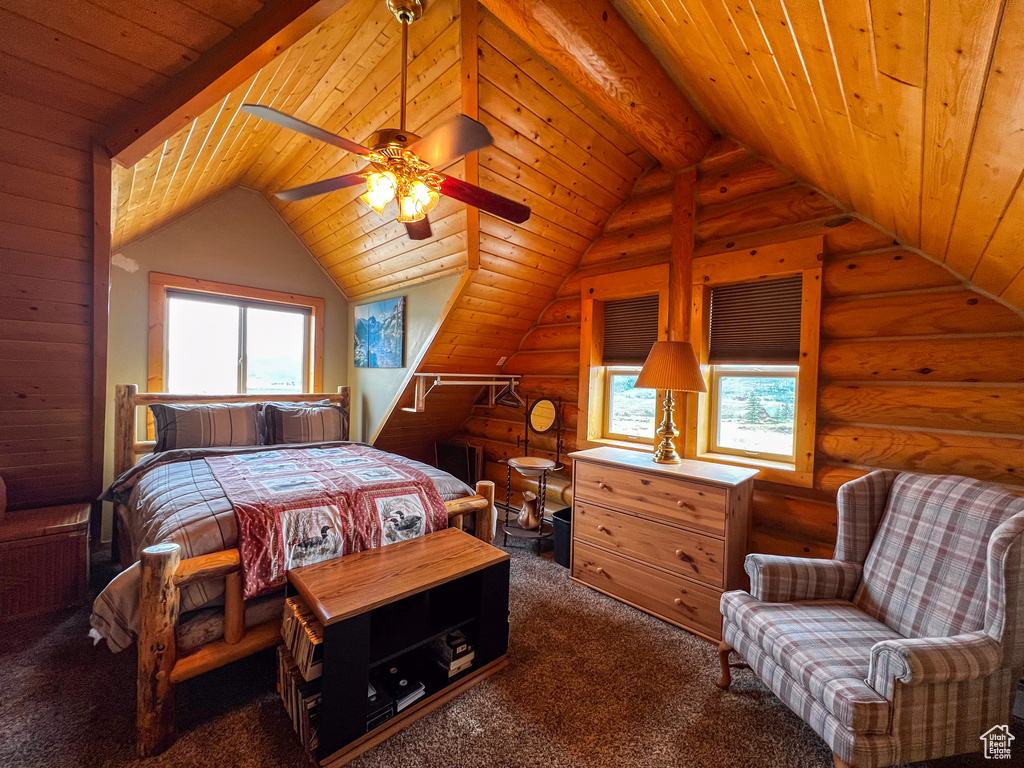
(925, 575)
(824, 646)
(921, 661)
(777, 579)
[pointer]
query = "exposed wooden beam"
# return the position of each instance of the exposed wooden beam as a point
(684, 214)
(593, 46)
(101, 229)
(471, 107)
(215, 74)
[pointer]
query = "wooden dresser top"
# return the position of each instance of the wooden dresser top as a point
(347, 586)
(698, 471)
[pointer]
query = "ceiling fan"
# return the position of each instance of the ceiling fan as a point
(401, 164)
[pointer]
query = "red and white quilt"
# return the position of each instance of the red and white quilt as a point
(296, 507)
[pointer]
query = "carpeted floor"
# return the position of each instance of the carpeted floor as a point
(591, 683)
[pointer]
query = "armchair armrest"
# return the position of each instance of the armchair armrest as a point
(926, 660)
(777, 579)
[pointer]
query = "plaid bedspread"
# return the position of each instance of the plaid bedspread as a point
(300, 507)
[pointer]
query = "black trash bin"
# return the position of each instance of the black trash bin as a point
(562, 520)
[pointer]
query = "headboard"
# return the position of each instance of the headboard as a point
(128, 399)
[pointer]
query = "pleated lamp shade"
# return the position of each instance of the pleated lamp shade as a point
(671, 365)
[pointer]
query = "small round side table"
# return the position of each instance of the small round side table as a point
(529, 466)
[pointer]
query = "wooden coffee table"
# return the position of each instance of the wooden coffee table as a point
(385, 605)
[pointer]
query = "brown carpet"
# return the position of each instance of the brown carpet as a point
(591, 682)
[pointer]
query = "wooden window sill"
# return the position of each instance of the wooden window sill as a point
(772, 471)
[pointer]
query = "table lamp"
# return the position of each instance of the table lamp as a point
(671, 365)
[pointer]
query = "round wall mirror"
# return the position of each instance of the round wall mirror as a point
(543, 416)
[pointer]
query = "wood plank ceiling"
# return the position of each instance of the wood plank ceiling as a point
(910, 111)
(344, 76)
(69, 72)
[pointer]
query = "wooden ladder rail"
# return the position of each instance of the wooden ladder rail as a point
(164, 573)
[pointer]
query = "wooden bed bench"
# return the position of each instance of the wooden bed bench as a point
(164, 573)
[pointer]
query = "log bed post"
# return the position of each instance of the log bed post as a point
(485, 518)
(158, 619)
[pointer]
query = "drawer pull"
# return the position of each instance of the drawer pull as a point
(601, 528)
(678, 601)
(687, 559)
(603, 486)
(599, 570)
(684, 505)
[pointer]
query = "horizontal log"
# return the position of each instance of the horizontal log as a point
(561, 311)
(498, 452)
(569, 413)
(630, 243)
(771, 543)
(751, 177)
(723, 153)
(219, 653)
(467, 505)
(799, 519)
(642, 211)
(512, 432)
(995, 359)
(571, 286)
(552, 337)
(655, 179)
(828, 478)
(544, 363)
(778, 208)
(893, 270)
(843, 235)
(923, 314)
(203, 567)
(565, 387)
(972, 407)
(559, 488)
(986, 457)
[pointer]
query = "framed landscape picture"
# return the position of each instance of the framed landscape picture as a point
(380, 334)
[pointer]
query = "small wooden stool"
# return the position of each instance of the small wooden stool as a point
(44, 560)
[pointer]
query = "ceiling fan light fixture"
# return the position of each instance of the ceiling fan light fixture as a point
(381, 187)
(416, 200)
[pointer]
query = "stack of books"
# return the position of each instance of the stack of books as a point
(301, 697)
(453, 652)
(304, 636)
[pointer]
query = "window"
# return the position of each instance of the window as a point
(624, 313)
(756, 336)
(215, 338)
(629, 413)
(219, 345)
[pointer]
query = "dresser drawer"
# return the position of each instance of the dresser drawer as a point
(676, 502)
(675, 549)
(674, 599)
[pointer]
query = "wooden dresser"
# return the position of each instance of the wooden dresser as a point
(665, 538)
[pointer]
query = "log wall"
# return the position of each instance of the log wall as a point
(918, 371)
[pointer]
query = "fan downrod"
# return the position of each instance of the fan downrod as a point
(406, 11)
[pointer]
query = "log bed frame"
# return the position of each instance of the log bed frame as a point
(164, 573)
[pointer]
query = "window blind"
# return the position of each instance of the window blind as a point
(756, 322)
(630, 330)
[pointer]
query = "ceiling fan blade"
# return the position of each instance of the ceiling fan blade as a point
(500, 206)
(293, 123)
(456, 138)
(321, 187)
(418, 230)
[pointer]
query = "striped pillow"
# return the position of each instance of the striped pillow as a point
(205, 426)
(261, 414)
(305, 423)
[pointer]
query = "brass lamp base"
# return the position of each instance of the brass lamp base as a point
(666, 451)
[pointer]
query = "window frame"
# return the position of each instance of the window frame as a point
(611, 371)
(595, 291)
(714, 378)
(161, 286)
(799, 257)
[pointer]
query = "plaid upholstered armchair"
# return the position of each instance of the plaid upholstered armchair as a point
(906, 646)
